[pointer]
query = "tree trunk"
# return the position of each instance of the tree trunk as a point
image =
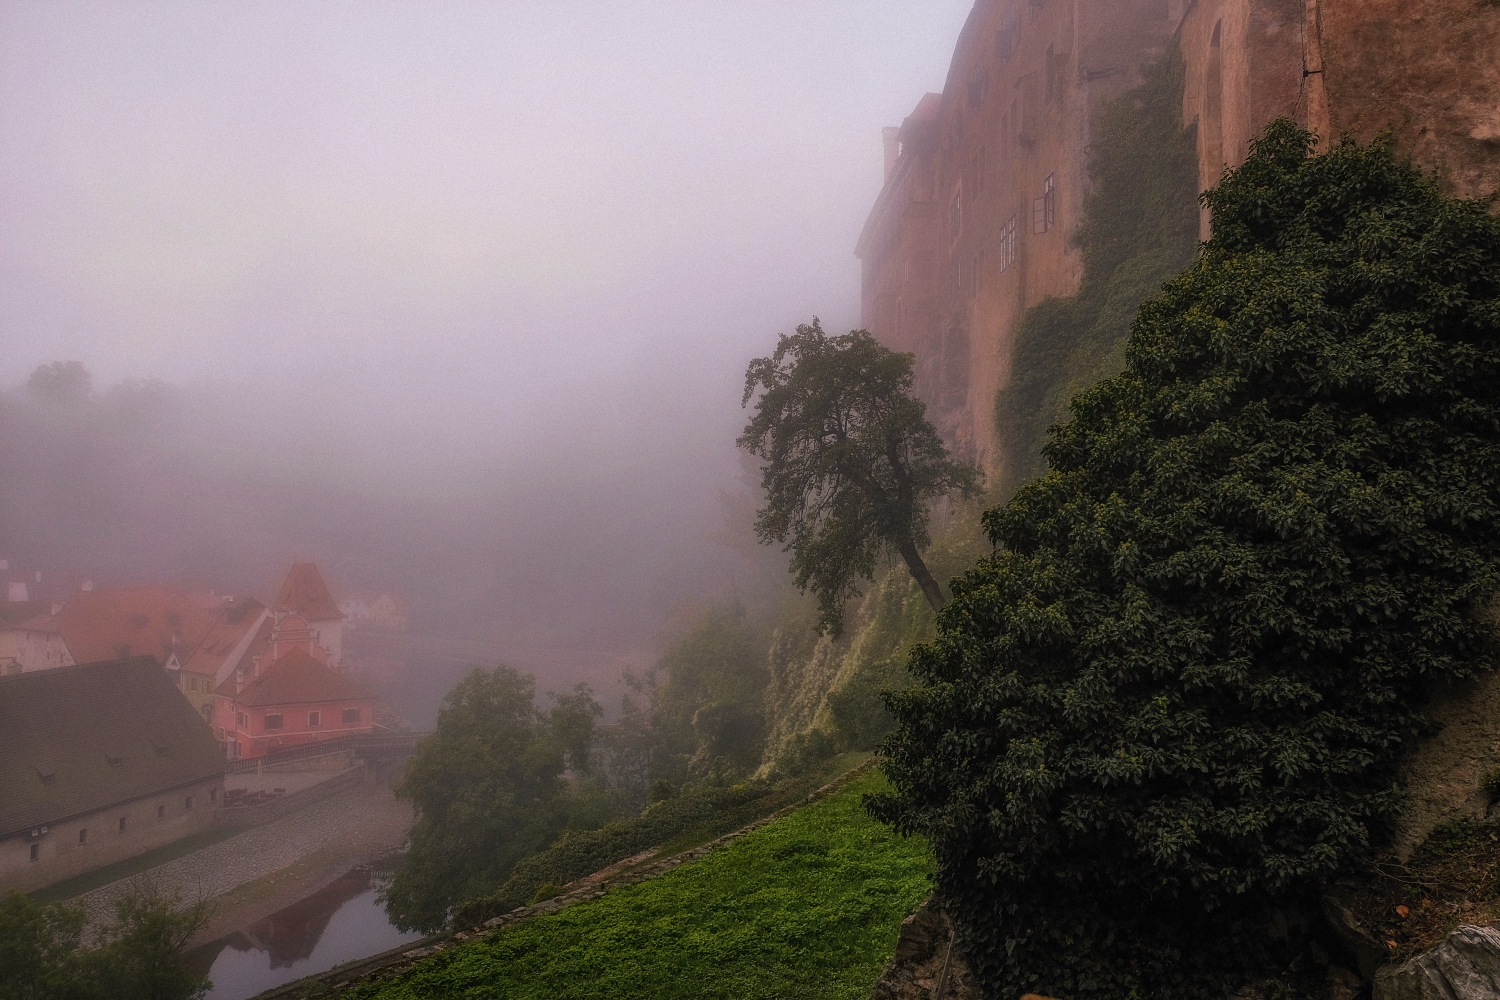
(919, 573)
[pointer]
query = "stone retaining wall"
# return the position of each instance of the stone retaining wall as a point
(265, 812)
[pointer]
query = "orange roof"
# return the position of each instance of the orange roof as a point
(225, 633)
(134, 621)
(296, 678)
(305, 593)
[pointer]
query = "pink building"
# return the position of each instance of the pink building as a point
(288, 696)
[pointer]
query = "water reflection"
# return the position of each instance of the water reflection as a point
(338, 923)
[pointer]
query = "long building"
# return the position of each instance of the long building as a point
(99, 762)
(985, 183)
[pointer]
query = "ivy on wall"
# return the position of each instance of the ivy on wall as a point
(1140, 227)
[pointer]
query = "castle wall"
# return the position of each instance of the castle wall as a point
(974, 225)
(947, 278)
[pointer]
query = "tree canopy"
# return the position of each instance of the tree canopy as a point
(487, 787)
(1175, 696)
(851, 462)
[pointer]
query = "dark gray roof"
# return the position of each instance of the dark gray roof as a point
(106, 733)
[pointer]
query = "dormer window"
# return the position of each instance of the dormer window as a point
(48, 777)
(115, 760)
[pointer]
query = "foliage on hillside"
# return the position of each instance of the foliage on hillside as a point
(488, 789)
(700, 814)
(806, 907)
(1173, 701)
(707, 714)
(1140, 227)
(138, 957)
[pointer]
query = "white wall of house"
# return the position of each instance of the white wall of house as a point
(34, 650)
(149, 822)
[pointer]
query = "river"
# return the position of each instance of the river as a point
(338, 923)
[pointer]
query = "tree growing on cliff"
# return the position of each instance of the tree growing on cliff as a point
(851, 463)
(1174, 698)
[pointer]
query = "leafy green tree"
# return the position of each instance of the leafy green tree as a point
(851, 463)
(708, 700)
(487, 788)
(1175, 696)
(572, 719)
(64, 382)
(42, 956)
(142, 956)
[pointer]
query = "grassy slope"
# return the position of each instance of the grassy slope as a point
(806, 907)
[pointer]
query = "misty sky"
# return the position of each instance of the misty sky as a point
(495, 216)
(505, 260)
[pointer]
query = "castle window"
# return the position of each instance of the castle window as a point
(314, 720)
(242, 720)
(976, 172)
(1044, 209)
(1008, 244)
(273, 720)
(351, 716)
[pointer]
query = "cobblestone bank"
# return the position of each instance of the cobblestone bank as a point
(398, 961)
(256, 853)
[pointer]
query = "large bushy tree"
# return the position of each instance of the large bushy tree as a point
(1175, 696)
(487, 787)
(851, 462)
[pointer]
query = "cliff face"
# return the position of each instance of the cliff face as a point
(986, 182)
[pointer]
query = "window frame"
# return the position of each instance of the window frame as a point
(356, 712)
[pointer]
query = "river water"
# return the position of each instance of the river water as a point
(338, 923)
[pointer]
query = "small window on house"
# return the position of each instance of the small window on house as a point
(36, 851)
(192, 683)
(976, 172)
(351, 716)
(314, 720)
(187, 803)
(161, 812)
(273, 720)
(979, 264)
(213, 795)
(1008, 244)
(242, 720)
(1044, 209)
(122, 824)
(1051, 71)
(83, 835)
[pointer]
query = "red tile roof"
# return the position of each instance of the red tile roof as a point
(294, 679)
(305, 593)
(225, 633)
(134, 621)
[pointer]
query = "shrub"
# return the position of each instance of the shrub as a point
(1175, 696)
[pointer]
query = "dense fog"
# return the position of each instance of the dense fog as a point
(455, 301)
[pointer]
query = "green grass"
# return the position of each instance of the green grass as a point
(68, 888)
(807, 907)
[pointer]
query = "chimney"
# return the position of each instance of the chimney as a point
(87, 585)
(892, 138)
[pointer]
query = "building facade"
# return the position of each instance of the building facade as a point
(304, 593)
(289, 696)
(98, 762)
(985, 182)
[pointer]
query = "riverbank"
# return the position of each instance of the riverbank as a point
(268, 867)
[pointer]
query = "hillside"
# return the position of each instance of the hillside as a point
(809, 905)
